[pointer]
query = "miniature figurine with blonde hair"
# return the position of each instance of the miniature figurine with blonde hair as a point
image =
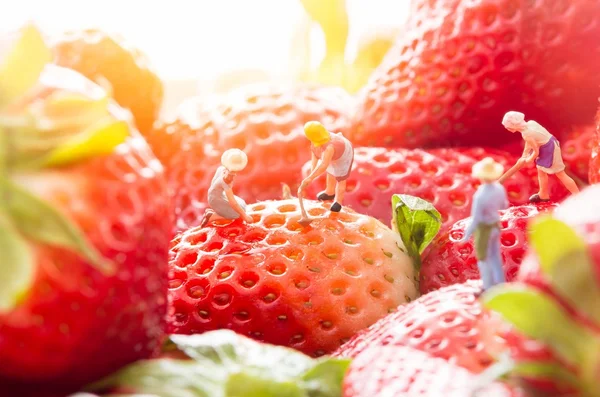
(484, 225)
(223, 203)
(541, 147)
(331, 153)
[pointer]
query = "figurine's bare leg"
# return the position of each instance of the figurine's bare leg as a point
(568, 182)
(329, 192)
(544, 193)
(208, 214)
(340, 189)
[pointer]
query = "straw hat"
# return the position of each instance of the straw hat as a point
(234, 160)
(487, 169)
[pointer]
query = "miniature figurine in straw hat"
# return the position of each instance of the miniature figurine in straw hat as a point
(331, 153)
(223, 203)
(542, 147)
(485, 221)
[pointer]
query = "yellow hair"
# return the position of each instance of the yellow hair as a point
(316, 133)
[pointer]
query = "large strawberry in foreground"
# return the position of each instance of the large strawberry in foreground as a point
(450, 261)
(460, 65)
(263, 120)
(109, 59)
(84, 228)
(441, 176)
(307, 287)
(556, 297)
(594, 171)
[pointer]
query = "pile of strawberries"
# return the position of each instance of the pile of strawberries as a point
(104, 261)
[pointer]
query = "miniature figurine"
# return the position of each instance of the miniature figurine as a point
(223, 203)
(542, 147)
(331, 153)
(485, 221)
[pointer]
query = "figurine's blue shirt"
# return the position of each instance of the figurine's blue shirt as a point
(487, 201)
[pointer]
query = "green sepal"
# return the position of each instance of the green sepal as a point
(417, 221)
(539, 317)
(547, 371)
(98, 140)
(41, 222)
(23, 64)
(564, 259)
(17, 266)
(225, 364)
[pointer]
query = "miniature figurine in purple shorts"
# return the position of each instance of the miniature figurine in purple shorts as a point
(331, 153)
(223, 203)
(542, 147)
(484, 224)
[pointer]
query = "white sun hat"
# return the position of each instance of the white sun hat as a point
(234, 160)
(513, 120)
(488, 169)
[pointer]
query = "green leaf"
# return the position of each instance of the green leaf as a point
(538, 316)
(547, 371)
(22, 66)
(564, 259)
(17, 266)
(417, 221)
(41, 222)
(99, 139)
(225, 364)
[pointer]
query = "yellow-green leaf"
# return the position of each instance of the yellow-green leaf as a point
(21, 68)
(41, 222)
(99, 139)
(565, 260)
(17, 266)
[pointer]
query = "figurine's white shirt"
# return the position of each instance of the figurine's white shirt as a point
(536, 133)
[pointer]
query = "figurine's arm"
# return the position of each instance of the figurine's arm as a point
(322, 167)
(314, 161)
(234, 204)
(475, 218)
(534, 151)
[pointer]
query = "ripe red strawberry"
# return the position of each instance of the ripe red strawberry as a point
(555, 299)
(86, 205)
(460, 65)
(401, 371)
(450, 261)
(263, 120)
(441, 176)
(594, 172)
(104, 57)
(576, 150)
(448, 323)
(310, 288)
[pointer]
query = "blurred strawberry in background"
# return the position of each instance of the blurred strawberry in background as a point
(85, 226)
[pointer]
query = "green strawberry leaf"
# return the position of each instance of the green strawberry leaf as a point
(565, 260)
(547, 371)
(99, 139)
(225, 364)
(41, 222)
(417, 221)
(17, 266)
(538, 316)
(23, 64)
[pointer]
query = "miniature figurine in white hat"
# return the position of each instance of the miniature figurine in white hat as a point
(541, 147)
(223, 203)
(485, 221)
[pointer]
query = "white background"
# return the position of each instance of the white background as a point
(192, 41)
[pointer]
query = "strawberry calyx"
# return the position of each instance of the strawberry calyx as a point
(417, 221)
(572, 335)
(49, 117)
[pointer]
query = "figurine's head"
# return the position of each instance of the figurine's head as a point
(514, 121)
(234, 160)
(487, 170)
(316, 133)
